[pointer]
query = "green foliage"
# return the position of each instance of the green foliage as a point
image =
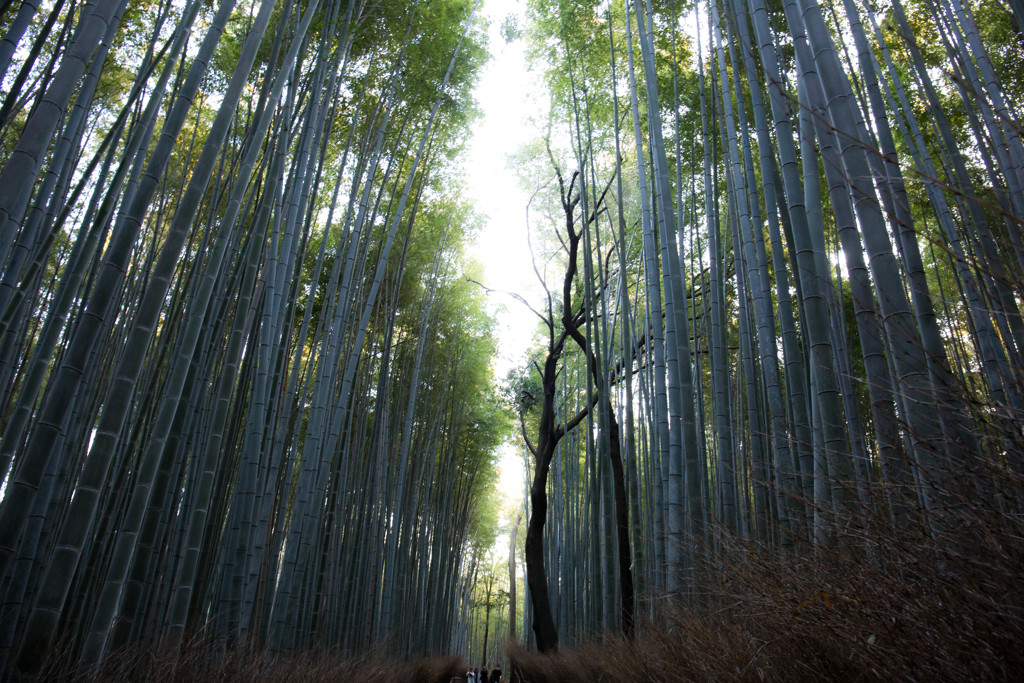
(510, 30)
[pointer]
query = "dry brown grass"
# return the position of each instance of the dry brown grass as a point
(946, 605)
(197, 663)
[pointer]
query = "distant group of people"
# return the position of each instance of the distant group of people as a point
(482, 675)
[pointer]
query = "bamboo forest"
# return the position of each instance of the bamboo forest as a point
(770, 425)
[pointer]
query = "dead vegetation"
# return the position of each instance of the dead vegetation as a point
(944, 604)
(198, 663)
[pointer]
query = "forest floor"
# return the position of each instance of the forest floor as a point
(896, 615)
(941, 605)
(197, 665)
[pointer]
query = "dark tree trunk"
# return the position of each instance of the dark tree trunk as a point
(536, 576)
(621, 524)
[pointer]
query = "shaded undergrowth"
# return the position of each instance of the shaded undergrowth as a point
(198, 662)
(935, 602)
(936, 597)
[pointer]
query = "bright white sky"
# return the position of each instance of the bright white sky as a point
(506, 94)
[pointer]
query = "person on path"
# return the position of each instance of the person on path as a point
(484, 674)
(496, 675)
